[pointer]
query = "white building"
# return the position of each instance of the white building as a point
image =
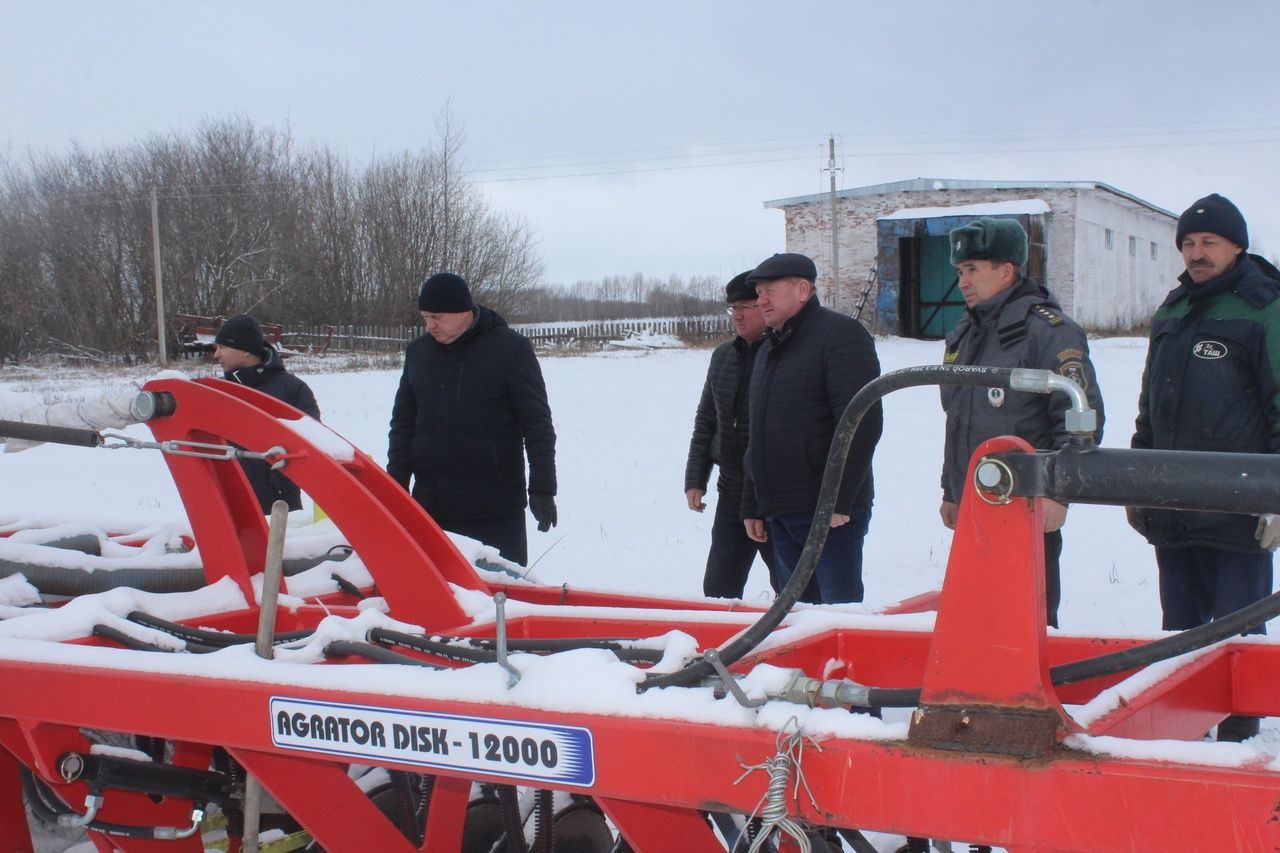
(1108, 256)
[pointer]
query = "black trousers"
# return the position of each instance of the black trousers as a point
(505, 532)
(732, 554)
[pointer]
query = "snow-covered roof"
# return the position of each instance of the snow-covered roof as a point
(916, 185)
(991, 208)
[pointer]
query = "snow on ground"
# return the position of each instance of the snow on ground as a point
(623, 420)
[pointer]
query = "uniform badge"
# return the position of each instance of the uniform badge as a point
(1074, 371)
(950, 357)
(995, 396)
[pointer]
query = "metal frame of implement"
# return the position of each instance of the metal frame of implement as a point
(984, 761)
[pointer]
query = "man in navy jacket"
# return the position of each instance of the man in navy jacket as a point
(812, 362)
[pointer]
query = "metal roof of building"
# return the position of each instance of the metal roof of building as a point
(934, 184)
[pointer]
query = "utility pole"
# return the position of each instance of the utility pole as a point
(155, 259)
(836, 295)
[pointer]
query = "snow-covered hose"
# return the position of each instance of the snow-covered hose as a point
(63, 581)
(868, 396)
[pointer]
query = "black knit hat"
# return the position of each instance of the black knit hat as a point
(989, 239)
(739, 289)
(1216, 215)
(445, 293)
(784, 265)
(241, 332)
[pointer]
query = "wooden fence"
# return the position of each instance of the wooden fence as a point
(575, 334)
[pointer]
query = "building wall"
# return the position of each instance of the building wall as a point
(1100, 288)
(1120, 286)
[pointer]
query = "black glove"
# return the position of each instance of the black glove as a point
(543, 508)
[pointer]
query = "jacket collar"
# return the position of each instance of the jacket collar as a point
(789, 328)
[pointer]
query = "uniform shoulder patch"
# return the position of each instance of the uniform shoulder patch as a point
(1074, 370)
(950, 357)
(1049, 314)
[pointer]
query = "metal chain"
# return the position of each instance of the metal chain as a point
(198, 449)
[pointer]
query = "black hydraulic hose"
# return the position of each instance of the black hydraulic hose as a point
(1136, 657)
(215, 639)
(52, 434)
(48, 807)
(1248, 617)
(117, 636)
(428, 646)
(377, 654)
(474, 650)
(868, 396)
(551, 645)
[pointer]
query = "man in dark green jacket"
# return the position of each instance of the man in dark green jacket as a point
(1210, 383)
(471, 405)
(1009, 321)
(720, 438)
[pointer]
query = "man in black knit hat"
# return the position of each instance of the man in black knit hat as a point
(247, 359)
(1212, 382)
(471, 405)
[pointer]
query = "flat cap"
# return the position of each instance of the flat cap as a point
(784, 265)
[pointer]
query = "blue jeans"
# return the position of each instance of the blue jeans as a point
(838, 577)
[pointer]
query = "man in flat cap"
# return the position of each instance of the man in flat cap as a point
(247, 359)
(813, 360)
(1211, 383)
(1009, 321)
(720, 438)
(471, 405)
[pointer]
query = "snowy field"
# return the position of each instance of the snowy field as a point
(623, 420)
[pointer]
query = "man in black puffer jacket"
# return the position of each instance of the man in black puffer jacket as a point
(470, 406)
(811, 364)
(246, 358)
(720, 438)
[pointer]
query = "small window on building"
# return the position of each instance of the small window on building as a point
(1153, 250)
(1133, 247)
(1110, 239)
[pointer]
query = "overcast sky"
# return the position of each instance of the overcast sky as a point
(644, 137)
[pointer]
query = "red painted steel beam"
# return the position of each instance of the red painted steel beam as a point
(1066, 802)
(411, 558)
(1183, 705)
(15, 835)
(652, 828)
(324, 799)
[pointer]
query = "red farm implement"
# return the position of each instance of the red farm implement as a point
(485, 700)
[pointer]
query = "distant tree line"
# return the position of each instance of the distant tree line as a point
(623, 297)
(248, 223)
